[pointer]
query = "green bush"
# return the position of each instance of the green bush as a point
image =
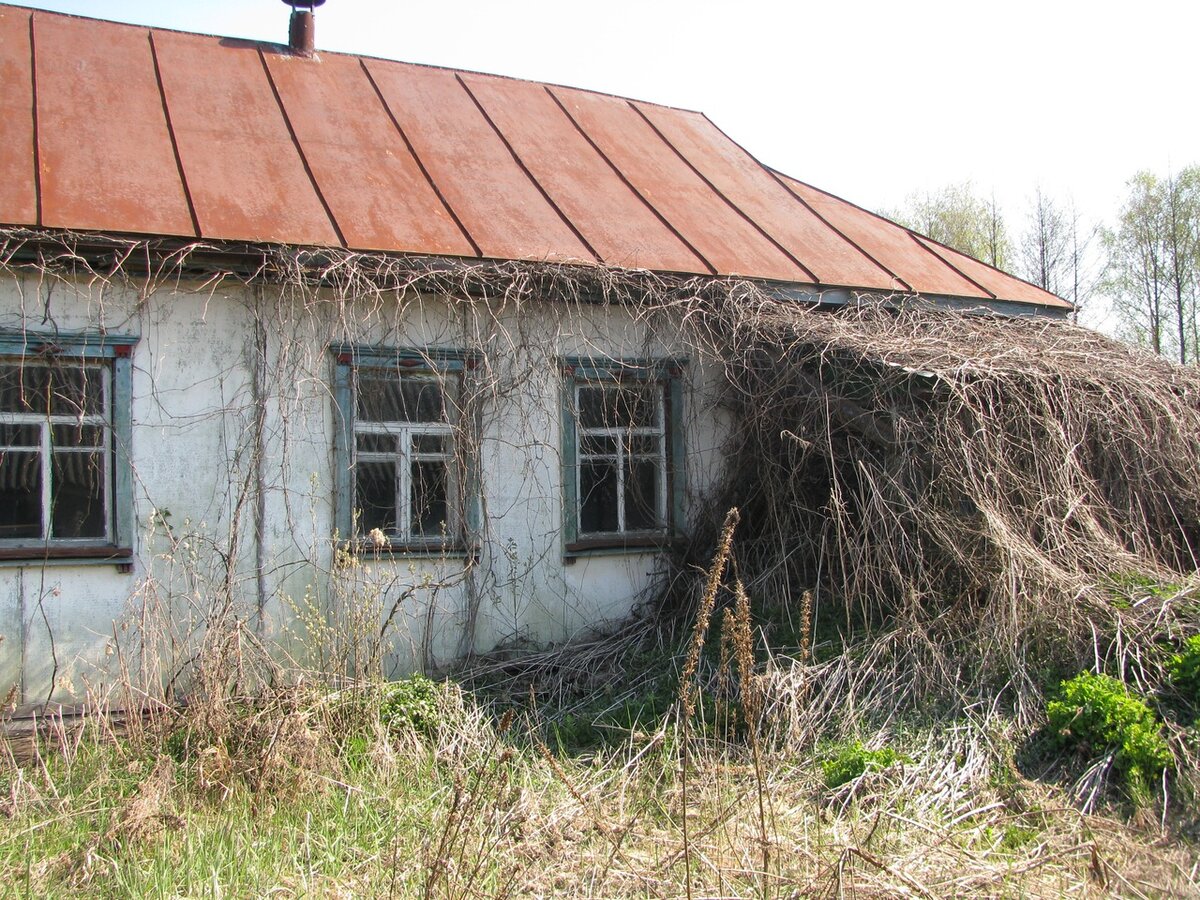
(1183, 670)
(411, 704)
(1098, 713)
(852, 760)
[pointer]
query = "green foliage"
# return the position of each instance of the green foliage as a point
(411, 704)
(1098, 713)
(601, 722)
(1125, 586)
(853, 760)
(957, 216)
(1183, 670)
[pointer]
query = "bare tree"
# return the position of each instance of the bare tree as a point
(1059, 251)
(1045, 250)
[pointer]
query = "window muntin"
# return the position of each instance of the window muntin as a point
(406, 479)
(622, 458)
(56, 451)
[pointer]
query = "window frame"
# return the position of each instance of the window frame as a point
(113, 354)
(439, 363)
(667, 373)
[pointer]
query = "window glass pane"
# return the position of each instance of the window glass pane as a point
(591, 444)
(592, 407)
(76, 391)
(429, 501)
(384, 396)
(77, 435)
(375, 496)
(77, 492)
(637, 406)
(24, 387)
(19, 435)
(641, 495)
(20, 495)
(597, 496)
(376, 443)
(645, 445)
(61, 389)
(619, 406)
(430, 443)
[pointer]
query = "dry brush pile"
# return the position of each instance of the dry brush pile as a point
(993, 491)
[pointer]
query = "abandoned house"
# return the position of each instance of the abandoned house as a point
(233, 362)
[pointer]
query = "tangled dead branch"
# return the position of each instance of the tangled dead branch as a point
(991, 487)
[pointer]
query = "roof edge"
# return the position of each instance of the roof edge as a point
(925, 237)
(141, 254)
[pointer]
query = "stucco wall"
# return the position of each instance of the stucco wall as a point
(233, 423)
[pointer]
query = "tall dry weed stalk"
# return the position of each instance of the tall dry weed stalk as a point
(752, 709)
(687, 688)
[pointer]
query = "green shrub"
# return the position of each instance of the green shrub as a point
(852, 760)
(411, 704)
(1098, 713)
(1183, 670)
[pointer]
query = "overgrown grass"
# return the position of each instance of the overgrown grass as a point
(468, 804)
(658, 762)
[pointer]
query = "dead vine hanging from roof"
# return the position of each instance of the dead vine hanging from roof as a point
(984, 479)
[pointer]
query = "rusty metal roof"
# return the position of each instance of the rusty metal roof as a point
(121, 128)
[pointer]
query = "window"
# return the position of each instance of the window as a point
(399, 472)
(622, 453)
(65, 486)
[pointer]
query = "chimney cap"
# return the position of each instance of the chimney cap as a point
(304, 4)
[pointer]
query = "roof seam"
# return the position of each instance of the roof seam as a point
(629, 184)
(528, 174)
(948, 264)
(162, 92)
(416, 157)
(300, 150)
(737, 209)
(37, 150)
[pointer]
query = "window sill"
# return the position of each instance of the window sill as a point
(68, 554)
(399, 552)
(615, 545)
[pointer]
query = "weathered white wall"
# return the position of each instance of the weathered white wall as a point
(221, 373)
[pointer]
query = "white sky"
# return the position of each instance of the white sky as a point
(869, 100)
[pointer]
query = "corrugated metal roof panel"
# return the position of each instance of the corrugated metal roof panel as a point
(889, 243)
(379, 197)
(18, 186)
(244, 173)
(610, 217)
(106, 158)
(129, 129)
(700, 215)
(1000, 284)
(500, 207)
(739, 177)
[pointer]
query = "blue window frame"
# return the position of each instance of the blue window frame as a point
(623, 449)
(66, 487)
(404, 480)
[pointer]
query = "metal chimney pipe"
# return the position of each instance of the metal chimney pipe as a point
(302, 31)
